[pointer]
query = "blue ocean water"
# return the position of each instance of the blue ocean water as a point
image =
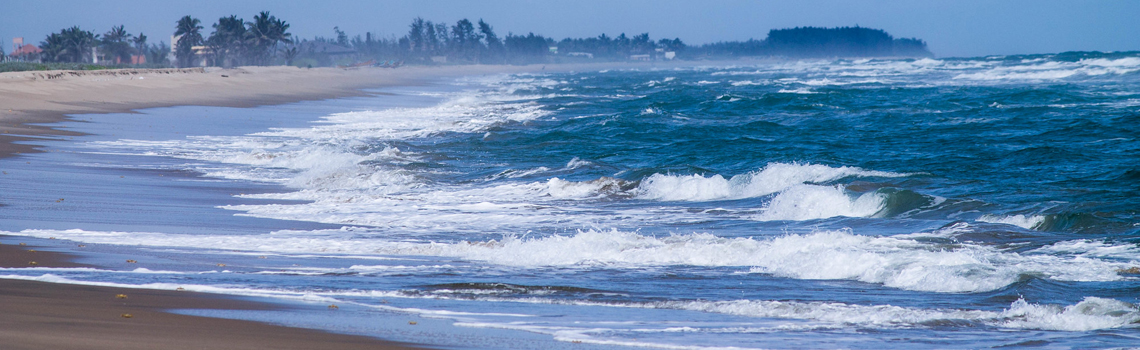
(918, 203)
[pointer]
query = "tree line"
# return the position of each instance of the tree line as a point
(75, 45)
(266, 40)
(429, 42)
(233, 41)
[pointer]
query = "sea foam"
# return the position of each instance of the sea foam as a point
(903, 263)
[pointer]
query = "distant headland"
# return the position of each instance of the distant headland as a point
(804, 42)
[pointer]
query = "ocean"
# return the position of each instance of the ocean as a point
(954, 203)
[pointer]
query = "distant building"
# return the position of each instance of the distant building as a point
(439, 59)
(99, 57)
(24, 52)
(580, 54)
(640, 57)
(554, 50)
(202, 53)
(670, 55)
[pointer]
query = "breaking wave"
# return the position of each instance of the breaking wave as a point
(904, 262)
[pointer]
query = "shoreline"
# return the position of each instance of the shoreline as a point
(32, 100)
(71, 316)
(44, 315)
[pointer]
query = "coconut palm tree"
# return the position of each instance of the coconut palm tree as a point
(157, 54)
(266, 32)
(116, 43)
(53, 48)
(79, 43)
(228, 41)
(139, 43)
(188, 31)
(69, 45)
(290, 53)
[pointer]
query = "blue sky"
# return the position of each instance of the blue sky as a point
(962, 28)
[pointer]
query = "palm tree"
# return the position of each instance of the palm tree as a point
(116, 42)
(69, 45)
(140, 44)
(80, 42)
(265, 32)
(281, 33)
(157, 54)
(228, 39)
(290, 53)
(53, 48)
(188, 33)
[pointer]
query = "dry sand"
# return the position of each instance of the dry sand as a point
(39, 97)
(48, 96)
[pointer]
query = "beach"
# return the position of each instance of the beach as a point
(813, 204)
(41, 315)
(33, 98)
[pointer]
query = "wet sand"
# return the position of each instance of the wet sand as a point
(40, 315)
(38, 97)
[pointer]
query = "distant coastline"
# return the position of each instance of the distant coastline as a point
(814, 42)
(34, 100)
(266, 41)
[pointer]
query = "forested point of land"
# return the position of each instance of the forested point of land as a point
(822, 42)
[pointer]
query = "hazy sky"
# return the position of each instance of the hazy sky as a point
(951, 28)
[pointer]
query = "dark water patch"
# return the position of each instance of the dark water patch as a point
(1031, 287)
(513, 288)
(951, 324)
(1079, 223)
(1076, 56)
(477, 290)
(1043, 155)
(1024, 344)
(1002, 236)
(1130, 177)
(901, 202)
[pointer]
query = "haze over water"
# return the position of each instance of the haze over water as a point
(929, 203)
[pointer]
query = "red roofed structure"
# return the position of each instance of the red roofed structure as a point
(26, 52)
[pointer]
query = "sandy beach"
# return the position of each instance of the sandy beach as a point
(30, 99)
(42, 315)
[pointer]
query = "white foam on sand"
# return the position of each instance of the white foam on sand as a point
(1091, 313)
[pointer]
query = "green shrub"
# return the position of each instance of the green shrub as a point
(29, 66)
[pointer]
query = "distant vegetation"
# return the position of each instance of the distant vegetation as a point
(32, 66)
(233, 41)
(821, 42)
